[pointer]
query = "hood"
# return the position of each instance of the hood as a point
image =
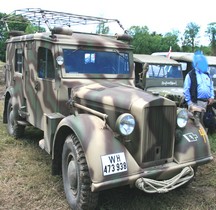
(112, 94)
(167, 90)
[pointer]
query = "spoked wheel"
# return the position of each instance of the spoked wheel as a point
(76, 179)
(12, 126)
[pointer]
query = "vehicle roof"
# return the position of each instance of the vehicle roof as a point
(182, 56)
(186, 56)
(211, 60)
(77, 38)
(153, 59)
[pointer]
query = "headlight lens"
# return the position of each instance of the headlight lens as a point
(60, 60)
(182, 118)
(125, 124)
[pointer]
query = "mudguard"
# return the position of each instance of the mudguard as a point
(192, 145)
(102, 150)
(7, 95)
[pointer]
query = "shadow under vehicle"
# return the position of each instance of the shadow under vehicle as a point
(101, 130)
(159, 75)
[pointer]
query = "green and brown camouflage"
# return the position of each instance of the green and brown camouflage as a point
(100, 129)
(159, 75)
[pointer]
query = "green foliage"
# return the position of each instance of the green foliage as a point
(17, 23)
(145, 42)
(191, 35)
(211, 32)
(32, 29)
(102, 29)
(3, 37)
(14, 23)
(212, 140)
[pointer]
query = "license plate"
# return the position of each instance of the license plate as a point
(114, 163)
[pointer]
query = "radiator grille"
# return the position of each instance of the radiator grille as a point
(158, 133)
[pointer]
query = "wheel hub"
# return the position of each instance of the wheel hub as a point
(72, 175)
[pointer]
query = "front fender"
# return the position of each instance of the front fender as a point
(7, 95)
(97, 140)
(192, 144)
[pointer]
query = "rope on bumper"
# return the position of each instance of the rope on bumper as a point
(154, 186)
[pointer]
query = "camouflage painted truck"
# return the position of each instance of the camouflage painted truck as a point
(101, 131)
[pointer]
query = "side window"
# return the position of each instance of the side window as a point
(45, 64)
(19, 60)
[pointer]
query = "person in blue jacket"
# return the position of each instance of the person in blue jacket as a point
(198, 85)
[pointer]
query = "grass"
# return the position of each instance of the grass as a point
(212, 140)
(26, 182)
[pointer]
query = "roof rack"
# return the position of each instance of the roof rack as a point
(50, 19)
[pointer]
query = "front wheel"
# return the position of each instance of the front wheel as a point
(76, 178)
(14, 129)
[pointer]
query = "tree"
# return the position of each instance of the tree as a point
(170, 39)
(211, 32)
(102, 29)
(145, 42)
(3, 37)
(141, 39)
(12, 23)
(190, 38)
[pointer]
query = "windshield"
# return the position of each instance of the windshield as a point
(164, 71)
(95, 62)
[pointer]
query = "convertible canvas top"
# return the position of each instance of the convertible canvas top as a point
(153, 59)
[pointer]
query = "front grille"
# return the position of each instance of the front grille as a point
(158, 133)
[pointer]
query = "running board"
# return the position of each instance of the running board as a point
(41, 144)
(22, 122)
(22, 112)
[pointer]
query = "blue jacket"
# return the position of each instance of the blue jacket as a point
(197, 85)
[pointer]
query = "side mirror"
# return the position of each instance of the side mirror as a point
(142, 75)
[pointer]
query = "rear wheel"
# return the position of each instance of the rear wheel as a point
(76, 178)
(12, 126)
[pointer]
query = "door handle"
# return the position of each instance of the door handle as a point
(37, 85)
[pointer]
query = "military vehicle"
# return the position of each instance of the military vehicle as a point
(186, 60)
(101, 131)
(157, 74)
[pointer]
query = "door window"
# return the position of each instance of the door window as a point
(45, 64)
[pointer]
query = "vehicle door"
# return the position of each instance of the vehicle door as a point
(16, 71)
(46, 93)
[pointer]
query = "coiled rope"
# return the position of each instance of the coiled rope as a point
(154, 186)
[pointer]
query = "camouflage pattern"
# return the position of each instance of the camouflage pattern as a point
(88, 106)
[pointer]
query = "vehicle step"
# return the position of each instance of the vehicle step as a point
(23, 114)
(22, 122)
(41, 143)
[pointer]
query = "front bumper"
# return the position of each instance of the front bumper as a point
(158, 173)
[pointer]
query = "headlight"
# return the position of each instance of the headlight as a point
(182, 118)
(125, 124)
(60, 60)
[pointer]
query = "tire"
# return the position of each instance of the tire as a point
(12, 126)
(76, 178)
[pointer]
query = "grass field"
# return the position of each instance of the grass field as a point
(26, 182)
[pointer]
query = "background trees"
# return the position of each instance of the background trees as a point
(191, 35)
(211, 32)
(144, 41)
